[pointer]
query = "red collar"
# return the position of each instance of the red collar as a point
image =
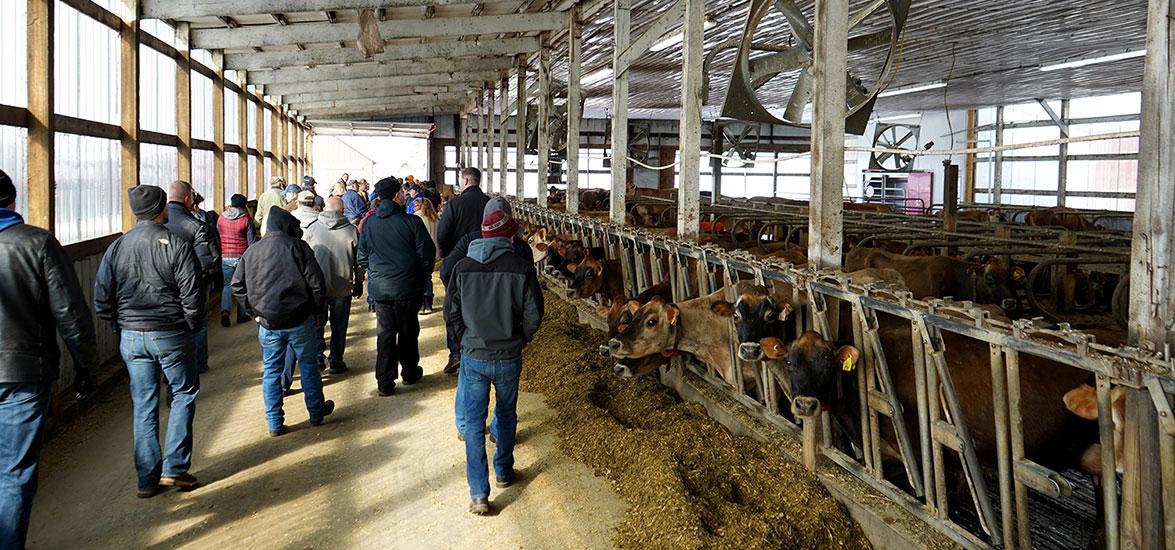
(669, 354)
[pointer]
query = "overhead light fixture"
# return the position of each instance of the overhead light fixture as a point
(913, 89)
(1093, 60)
(598, 76)
(899, 117)
(676, 38)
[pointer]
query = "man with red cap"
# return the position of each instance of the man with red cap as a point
(495, 309)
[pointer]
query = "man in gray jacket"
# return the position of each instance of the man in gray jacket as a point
(335, 240)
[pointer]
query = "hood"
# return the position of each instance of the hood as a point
(281, 221)
(232, 213)
(388, 208)
(9, 218)
(487, 250)
(333, 220)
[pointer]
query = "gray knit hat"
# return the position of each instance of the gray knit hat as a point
(495, 204)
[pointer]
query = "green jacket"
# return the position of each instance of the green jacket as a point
(268, 199)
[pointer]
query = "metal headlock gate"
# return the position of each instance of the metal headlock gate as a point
(694, 270)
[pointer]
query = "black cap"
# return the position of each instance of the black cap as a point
(238, 201)
(7, 190)
(147, 201)
(386, 188)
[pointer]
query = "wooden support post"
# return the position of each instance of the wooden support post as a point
(690, 130)
(811, 440)
(826, 210)
(218, 175)
(997, 188)
(1063, 158)
(491, 127)
(543, 127)
(1152, 298)
(242, 136)
(42, 195)
(574, 105)
(487, 132)
(183, 103)
(275, 136)
(950, 195)
(969, 159)
(128, 40)
(520, 132)
(715, 162)
(259, 132)
(621, 36)
(503, 99)
(479, 137)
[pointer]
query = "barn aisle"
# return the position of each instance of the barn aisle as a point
(382, 472)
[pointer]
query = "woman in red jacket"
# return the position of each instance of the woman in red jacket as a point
(236, 234)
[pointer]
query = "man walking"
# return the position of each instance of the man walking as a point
(273, 197)
(39, 298)
(184, 225)
(335, 242)
(150, 288)
(462, 215)
(236, 234)
(398, 254)
(497, 307)
(354, 207)
(281, 285)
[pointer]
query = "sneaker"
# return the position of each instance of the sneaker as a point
(412, 375)
(281, 430)
(148, 493)
(182, 481)
(224, 319)
(453, 365)
(504, 482)
(203, 368)
(337, 368)
(479, 506)
(327, 408)
(387, 392)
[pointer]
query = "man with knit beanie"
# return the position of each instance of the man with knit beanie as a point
(150, 288)
(496, 307)
(236, 234)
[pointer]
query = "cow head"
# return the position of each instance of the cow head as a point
(652, 330)
(995, 283)
(538, 244)
(756, 315)
(588, 276)
(812, 367)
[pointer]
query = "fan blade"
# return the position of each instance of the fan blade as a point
(869, 40)
(765, 67)
(800, 27)
(800, 95)
(742, 136)
(853, 96)
(860, 16)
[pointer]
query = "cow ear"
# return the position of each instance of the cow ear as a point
(847, 357)
(541, 247)
(1082, 401)
(633, 306)
(603, 311)
(1017, 273)
(722, 308)
(543, 233)
(572, 267)
(600, 271)
(671, 315)
(785, 311)
(773, 348)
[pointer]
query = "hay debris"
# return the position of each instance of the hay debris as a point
(688, 481)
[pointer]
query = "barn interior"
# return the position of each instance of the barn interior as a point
(712, 147)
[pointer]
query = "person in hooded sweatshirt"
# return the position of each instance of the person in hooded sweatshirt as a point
(398, 255)
(39, 298)
(335, 242)
(282, 287)
(236, 235)
(496, 308)
(150, 287)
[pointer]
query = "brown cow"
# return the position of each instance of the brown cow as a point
(942, 276)
(591, 276)
(1059, 216)
(619, 315)
(1082, 401)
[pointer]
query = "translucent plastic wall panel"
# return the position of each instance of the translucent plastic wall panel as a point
(794, 187)
(232, 164)
(202, 175)
(157, 165)
(251, 191)
(1027, 200)
(110, 5)
(204, 57)
(1100, 203)
(267, 139)
(14, 161)
(87, 67)
(1106, 105)
(1028, 112)
(986, 116)
(230, 117)
(159, 30)
(201, 107)
(1119, 176)
(1031, 135)
(13, 53)
(268, 172)
(156, 91)
(89, 189)
(1038, 175)
(251, 114)
(1122, 145)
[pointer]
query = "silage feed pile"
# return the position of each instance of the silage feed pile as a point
(689, 483)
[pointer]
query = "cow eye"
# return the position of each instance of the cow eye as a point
(738, 317)
(591, 274)
(652, 322)
(768, 315)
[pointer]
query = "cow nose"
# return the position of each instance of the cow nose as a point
(1010, 304)
(571, 292)
(805, 406)
(605, 350)
(622, 370)
(750, 351)
(614, 346)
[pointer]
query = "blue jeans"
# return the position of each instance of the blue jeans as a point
(200, 346)
(304, 339)
(22, 415)
(338, 312)
(146, 354)
(477, 376)
(228, 266)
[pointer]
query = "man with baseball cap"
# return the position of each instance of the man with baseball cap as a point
(41, 298)
(495, 308)
(272, 197)
(150, 288)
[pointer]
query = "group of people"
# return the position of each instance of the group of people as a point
(293, 262)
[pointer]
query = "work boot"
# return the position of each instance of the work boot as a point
(412, 375)
(480, 506)
(241, 318)
(182, 481)
(337, 368)
(327, 408)
(148, 492)
(281, 430)
(224, 320)
(504, 482)
(453, 365)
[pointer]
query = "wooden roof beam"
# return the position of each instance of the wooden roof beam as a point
(188, 9)
(422, 99)
(373, 70)
(382, 82)
(430, 51)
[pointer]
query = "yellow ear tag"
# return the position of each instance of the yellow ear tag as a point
(848, 365)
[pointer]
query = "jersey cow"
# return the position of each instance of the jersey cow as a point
(943, 276)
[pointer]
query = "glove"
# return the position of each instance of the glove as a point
(357, 291)
(84, 385)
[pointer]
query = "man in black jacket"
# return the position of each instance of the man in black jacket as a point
(496, 308)
(39, 297)
(150, 288)
(282, 287)
(398, 255)
(461, 216)
(206, 244)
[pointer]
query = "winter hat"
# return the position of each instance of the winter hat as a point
(498, 204)
(7, 190)
(147, 201)
(238, 201)
(386, 188)
(498, 224)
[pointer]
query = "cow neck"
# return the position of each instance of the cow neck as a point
(693, 336)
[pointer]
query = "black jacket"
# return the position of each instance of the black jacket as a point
(461, 215)
(461, 250)
(278, 278)
(204, 241)
(495, 303)
(39, 297)
(150, 280)
(397, 252)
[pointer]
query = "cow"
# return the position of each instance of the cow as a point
(592, 276)
(942, 276)
(1058, 216)
(619, 315)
